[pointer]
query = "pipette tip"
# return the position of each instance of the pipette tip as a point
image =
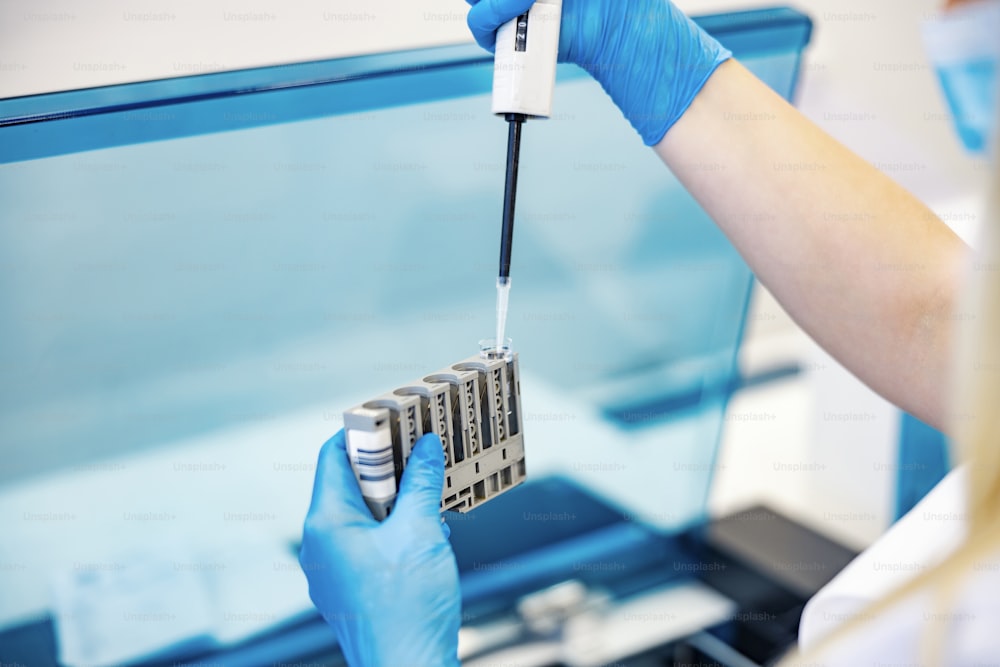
(488, 349)
(503, 298)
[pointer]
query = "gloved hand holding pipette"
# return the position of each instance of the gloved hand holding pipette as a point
(646, 54)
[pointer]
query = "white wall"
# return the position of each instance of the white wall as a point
(62, 44)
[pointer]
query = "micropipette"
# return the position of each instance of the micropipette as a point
(524, 76)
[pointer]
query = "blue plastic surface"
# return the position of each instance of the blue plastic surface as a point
(923, 462)
(229, 247)
(65, 122)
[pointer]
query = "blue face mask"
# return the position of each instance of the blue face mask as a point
(964, 47)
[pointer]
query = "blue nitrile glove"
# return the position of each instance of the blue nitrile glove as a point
(646, 54)
(390, 589)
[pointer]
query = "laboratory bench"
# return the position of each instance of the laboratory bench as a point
(729, 593)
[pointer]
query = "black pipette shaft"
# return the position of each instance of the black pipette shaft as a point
(510, 191)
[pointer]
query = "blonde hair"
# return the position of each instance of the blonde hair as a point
(974, 419)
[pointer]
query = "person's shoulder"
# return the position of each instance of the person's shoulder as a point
(974, 622)
(921, 539)
(968, 629)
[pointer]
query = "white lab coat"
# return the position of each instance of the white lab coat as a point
(922, 538)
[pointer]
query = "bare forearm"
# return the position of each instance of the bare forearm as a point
(858, 262)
